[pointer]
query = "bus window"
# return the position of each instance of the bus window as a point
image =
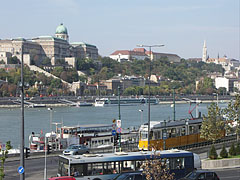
(95, 169)
(177, 163)
(78, 170)
(63, 167)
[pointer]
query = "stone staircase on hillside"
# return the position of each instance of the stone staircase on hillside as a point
(35, 68)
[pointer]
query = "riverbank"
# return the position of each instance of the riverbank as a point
(55, 103)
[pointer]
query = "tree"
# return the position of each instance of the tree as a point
(14, 60)
(156, 168)
(232, 150)
(232, 114)
(3, 158)
(238, 149)
(224, 153)
(212, 124)
(46, 62)
(213, 153)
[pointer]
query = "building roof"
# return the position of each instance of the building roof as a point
(127, 52)
(61, 29)
(82, 44)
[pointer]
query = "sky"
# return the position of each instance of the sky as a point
(181, 25)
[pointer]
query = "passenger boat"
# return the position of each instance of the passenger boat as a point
(94, 135)
(80, 104)
(91, 135)
(100, 102)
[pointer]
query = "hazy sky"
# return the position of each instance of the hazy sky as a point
(181, 25)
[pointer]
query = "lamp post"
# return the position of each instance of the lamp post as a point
(51, 111)
(22, 176)
(150, 47)
(141, 111)
(119, 117)
(45, 164)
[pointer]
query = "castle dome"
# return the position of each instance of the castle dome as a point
(61, 29)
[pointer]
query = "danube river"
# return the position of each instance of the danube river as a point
(38, 119)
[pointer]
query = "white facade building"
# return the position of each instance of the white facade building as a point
(141, 54)
(222, 82)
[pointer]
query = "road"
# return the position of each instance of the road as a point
(34, 169)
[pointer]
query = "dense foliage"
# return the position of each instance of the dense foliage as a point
(224, 153)
(232, 150)
(213, 153)
(212, 124)
(181, 76)
(232, 114)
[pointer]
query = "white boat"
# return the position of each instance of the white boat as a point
(80, 104)
(101, 102)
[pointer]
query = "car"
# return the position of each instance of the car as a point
(201, 175)
(76, 149)
(131, 176)
(62, 178)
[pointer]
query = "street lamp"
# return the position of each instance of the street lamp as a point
(22, 175)
(217, 97)
(51, 111)
(141, 111)
(150, 47)
(45, 164)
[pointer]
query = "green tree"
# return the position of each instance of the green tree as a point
(213, 153)
(212, 124)
(13, 60)
(46, 62)
(232, 150)
(224, 153)
(3, 158)
(232, 114)
(238, 149)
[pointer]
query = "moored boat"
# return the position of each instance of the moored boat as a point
(100, 102)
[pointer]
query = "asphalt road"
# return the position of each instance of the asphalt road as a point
(34, 170)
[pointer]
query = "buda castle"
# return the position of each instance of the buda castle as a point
(55, 48)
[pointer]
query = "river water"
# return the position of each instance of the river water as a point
(38, 119)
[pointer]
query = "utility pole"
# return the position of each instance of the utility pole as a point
(119, 117)
(149, 120)
(22, 175)
(174, 110)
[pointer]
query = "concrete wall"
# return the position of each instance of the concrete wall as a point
(222, 163)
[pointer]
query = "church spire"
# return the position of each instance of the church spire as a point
(204, 55)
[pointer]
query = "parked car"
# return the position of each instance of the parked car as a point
(131, 176)
(62, 178)
(201, 175)
(76, 149)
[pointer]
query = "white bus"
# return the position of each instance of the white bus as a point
(107, 166)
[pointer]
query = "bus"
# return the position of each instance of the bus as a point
(109, 165)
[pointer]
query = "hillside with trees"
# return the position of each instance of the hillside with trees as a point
(181, 76)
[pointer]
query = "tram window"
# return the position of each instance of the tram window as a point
(155, 135)
(183, 130)
(144, 135)
(178, 132)
(173, 132)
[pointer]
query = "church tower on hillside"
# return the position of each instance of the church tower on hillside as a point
(61, 32)
(204, 55)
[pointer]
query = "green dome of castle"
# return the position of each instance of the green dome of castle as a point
(61, 29)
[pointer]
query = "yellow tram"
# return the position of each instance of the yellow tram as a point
(170, 134)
